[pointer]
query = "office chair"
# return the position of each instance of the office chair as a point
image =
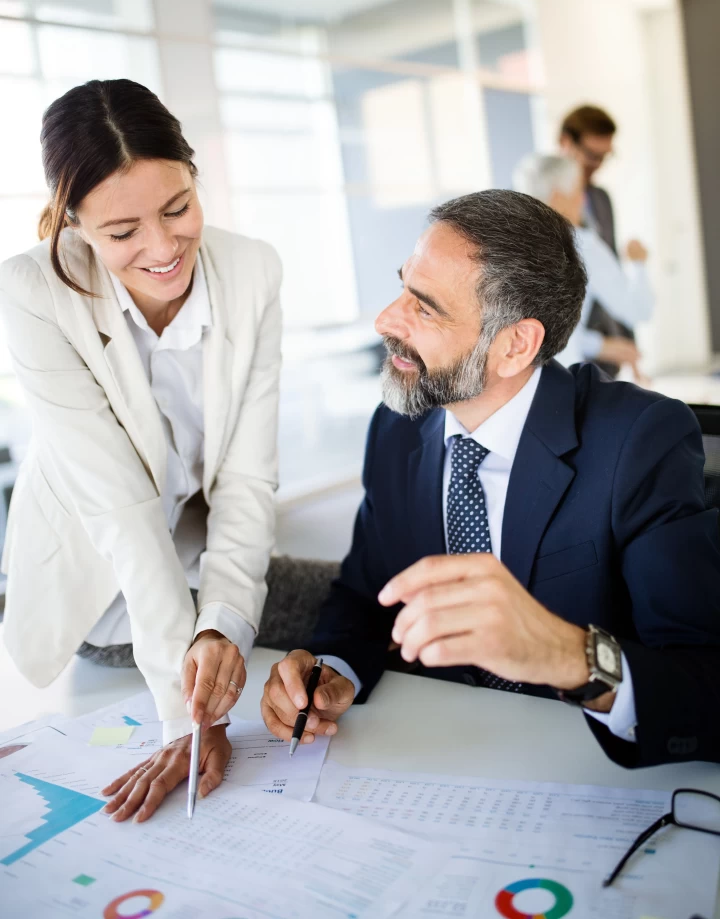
(297, 588)
(709, 419)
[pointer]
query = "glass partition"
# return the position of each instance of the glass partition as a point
(343, 122)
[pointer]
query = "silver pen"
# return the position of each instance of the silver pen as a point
(194, 770)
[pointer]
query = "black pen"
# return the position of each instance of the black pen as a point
(302, 716)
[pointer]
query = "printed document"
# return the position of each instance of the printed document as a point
(245, 853)
(536, 848)
(259, 759)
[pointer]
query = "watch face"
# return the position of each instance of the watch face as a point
(608, 659)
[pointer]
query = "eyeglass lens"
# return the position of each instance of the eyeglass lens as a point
(696, 810)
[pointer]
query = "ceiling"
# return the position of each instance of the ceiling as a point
(337, 10)
(312, 10)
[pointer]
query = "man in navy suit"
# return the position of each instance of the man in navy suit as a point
(524, 527)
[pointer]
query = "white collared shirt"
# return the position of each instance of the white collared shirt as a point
(173, 364)
(500, 434)
(623, 289)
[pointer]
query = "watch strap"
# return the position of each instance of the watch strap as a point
(586, 693)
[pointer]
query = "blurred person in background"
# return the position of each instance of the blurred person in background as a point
(587, 135)
(625, 295)
(147, 346)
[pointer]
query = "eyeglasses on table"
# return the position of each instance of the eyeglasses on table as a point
(691, 809)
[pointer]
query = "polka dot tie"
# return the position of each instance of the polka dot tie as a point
(467, 521)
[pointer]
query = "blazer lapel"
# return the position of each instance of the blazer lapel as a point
(424, 487)
(539, 477)
(141, 418)
(217, 375)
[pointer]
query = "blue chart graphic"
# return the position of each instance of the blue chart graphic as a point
(128, 720)
(66, 809)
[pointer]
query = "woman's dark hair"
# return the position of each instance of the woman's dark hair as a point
(91, 132)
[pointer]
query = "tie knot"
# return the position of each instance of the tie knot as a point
(467, 455)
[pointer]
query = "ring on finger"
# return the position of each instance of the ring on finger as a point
(143, 768)
(237, 688)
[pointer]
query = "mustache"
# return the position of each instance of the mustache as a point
(413, 394)
(394, 346)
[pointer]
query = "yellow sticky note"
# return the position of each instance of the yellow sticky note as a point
(109, 737)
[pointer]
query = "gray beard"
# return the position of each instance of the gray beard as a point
(414, 393)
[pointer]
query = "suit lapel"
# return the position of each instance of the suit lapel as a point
(537, 483)
(424, 484)
(539, 478)
(217, 375)
(141, 418)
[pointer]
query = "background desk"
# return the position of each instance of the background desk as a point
(462, 731)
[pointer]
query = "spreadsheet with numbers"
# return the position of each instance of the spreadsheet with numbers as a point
(540, 849)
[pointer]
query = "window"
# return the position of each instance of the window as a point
(38, 62)
(342, 122)
(345, 122)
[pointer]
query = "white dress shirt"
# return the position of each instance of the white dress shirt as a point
(500, 434)
(173, 364)
(623, 289)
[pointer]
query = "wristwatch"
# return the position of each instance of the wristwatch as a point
(604, 658)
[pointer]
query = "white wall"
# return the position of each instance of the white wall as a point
(186, 62)
(629, 60)
(682, 326)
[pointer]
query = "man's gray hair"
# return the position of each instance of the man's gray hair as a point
(540, 175)
(530, 267)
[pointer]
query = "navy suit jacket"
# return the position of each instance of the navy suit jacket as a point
(605, 522)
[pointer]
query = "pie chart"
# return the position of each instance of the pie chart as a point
(154, 900)
(504, 901)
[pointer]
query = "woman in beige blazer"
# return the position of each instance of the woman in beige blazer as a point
(148, 349)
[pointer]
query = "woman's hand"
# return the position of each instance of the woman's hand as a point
(213, 677)
(143, 788)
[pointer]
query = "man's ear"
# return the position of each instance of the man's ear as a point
(519, 346)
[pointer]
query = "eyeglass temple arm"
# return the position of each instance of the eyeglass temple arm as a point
(643, 837)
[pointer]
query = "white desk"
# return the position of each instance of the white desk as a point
(410, 723)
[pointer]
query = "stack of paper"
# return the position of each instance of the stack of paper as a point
(536, 849)
(245, 852)
(129, 732)
(374, 843)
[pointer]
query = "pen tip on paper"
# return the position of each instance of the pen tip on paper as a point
(293, 745)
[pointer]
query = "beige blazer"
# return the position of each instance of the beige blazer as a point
(85, 518)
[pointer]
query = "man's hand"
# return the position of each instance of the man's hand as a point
(285, 696)
(213, 677)
(635, 251)
(143, 788)
(469, 609)
(618, 350)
